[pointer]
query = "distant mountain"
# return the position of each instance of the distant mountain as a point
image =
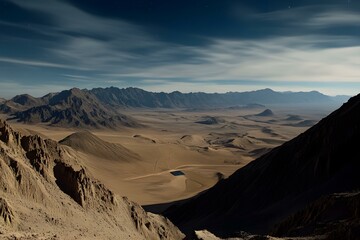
(74, 108)
(2, 100)
(134, 97)
(265, 113)
(101, 107)
(20, 103)
(27, 100)
(320, 162)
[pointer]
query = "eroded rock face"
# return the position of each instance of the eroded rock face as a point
(152, 226)
(38, 151)
(85, 191)
(15, 177)
(7, 135)
(6, 213)
(49, 189)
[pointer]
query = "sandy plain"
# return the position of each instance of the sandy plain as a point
(205, 145)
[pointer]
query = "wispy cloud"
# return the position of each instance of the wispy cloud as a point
(334, 18)
(34, 63)
(102, 50)
(282, 59)
(89, 41)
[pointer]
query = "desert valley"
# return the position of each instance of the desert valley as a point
(139, 156)
(179, 120)
(159, 157)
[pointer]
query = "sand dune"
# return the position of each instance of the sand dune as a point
(88, 143)
(193, 140)
(244, 143)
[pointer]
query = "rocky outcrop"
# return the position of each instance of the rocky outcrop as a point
(18, 155)
(7, 135)
(151, 225)
(50, 190)
(87, 192)
(39, 152)
(6, 213)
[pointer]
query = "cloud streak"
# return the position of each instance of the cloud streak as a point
(280, 59)
(34, 63)
(90, 48)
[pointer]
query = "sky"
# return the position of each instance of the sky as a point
(185, 45)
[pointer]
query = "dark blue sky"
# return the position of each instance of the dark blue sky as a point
(162, 45)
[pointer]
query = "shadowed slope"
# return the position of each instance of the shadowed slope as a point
(321, 161)
(337, 215)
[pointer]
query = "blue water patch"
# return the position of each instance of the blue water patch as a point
(177, 173)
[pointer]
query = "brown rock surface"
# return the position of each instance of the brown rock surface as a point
(49, 194)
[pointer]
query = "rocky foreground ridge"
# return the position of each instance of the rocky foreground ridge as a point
(46, 193)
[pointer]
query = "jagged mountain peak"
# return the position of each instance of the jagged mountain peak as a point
(100, 107)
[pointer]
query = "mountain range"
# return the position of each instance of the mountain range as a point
(135, 97)
(103, 107)
(308, 186)
(70, 108)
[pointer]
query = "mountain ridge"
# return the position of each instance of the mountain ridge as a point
(72, 108)
(103, 107)
(47, 193)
